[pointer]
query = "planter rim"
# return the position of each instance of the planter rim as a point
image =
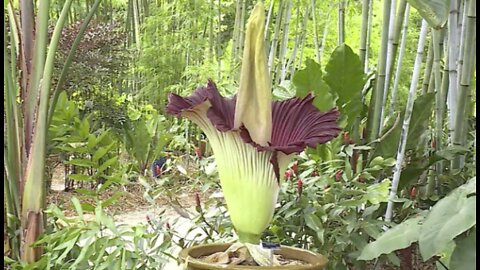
(317, 261)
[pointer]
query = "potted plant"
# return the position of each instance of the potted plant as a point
(253, 139)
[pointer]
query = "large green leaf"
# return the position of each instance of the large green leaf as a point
(449, 217)
(344, 74)
(464, 256)
(435, 12)
(398, 237)
(422, 111)
(309, 80)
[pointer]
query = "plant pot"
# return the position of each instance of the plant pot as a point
(315, 261)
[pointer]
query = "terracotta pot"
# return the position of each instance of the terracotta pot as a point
(315, 261)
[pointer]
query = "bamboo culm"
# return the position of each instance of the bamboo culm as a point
(377, 95)
(363, 32)
(452, 66)
(406, 121)
(466, 76)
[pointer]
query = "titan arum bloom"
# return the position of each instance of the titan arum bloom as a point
(254, 138)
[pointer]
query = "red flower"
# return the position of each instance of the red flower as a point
(413, 193)
(300, 187)
(289, 174)
(315, 173)
(338, 175)
(295, 166)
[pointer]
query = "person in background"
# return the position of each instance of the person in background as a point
(159, 165)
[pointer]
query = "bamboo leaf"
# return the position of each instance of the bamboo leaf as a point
(101, 152)
(449, 217)
(107, 164)
(398, 237)
(80, 177)
(112, 199)
(81, 162)
(435, 12)
(78, 207)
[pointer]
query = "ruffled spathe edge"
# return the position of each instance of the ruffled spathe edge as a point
(296, 122)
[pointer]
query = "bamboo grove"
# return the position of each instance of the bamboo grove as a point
(407, 49)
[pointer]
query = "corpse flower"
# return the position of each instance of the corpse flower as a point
(254, 138)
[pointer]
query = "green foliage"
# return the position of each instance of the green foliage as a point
(435, 12)
(336, 212)
(145, 136)
(74, 243)
(309, 80)
(464, 256)
(399, 237)
(449, 217)
(91, 152)
(421, 114)
(344, 74)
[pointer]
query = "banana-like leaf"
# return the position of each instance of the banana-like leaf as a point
(435, 12)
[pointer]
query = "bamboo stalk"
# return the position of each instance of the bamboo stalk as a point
(369, 33)
(363, 33)
(341, 21)
(465, 81)
(284, 45)
(236, 29)
(286, 66)
(438, 97)
(406, 122)
(219, 50)
(452, 102)
(315, 31)
(136, 24)
(462, 26)
(241, 33)
(269, 20)
(428, 69)
(394, 37)
(302, 39)
(325, 32)
(377, 95)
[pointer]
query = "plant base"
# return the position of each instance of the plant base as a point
(190, 256)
